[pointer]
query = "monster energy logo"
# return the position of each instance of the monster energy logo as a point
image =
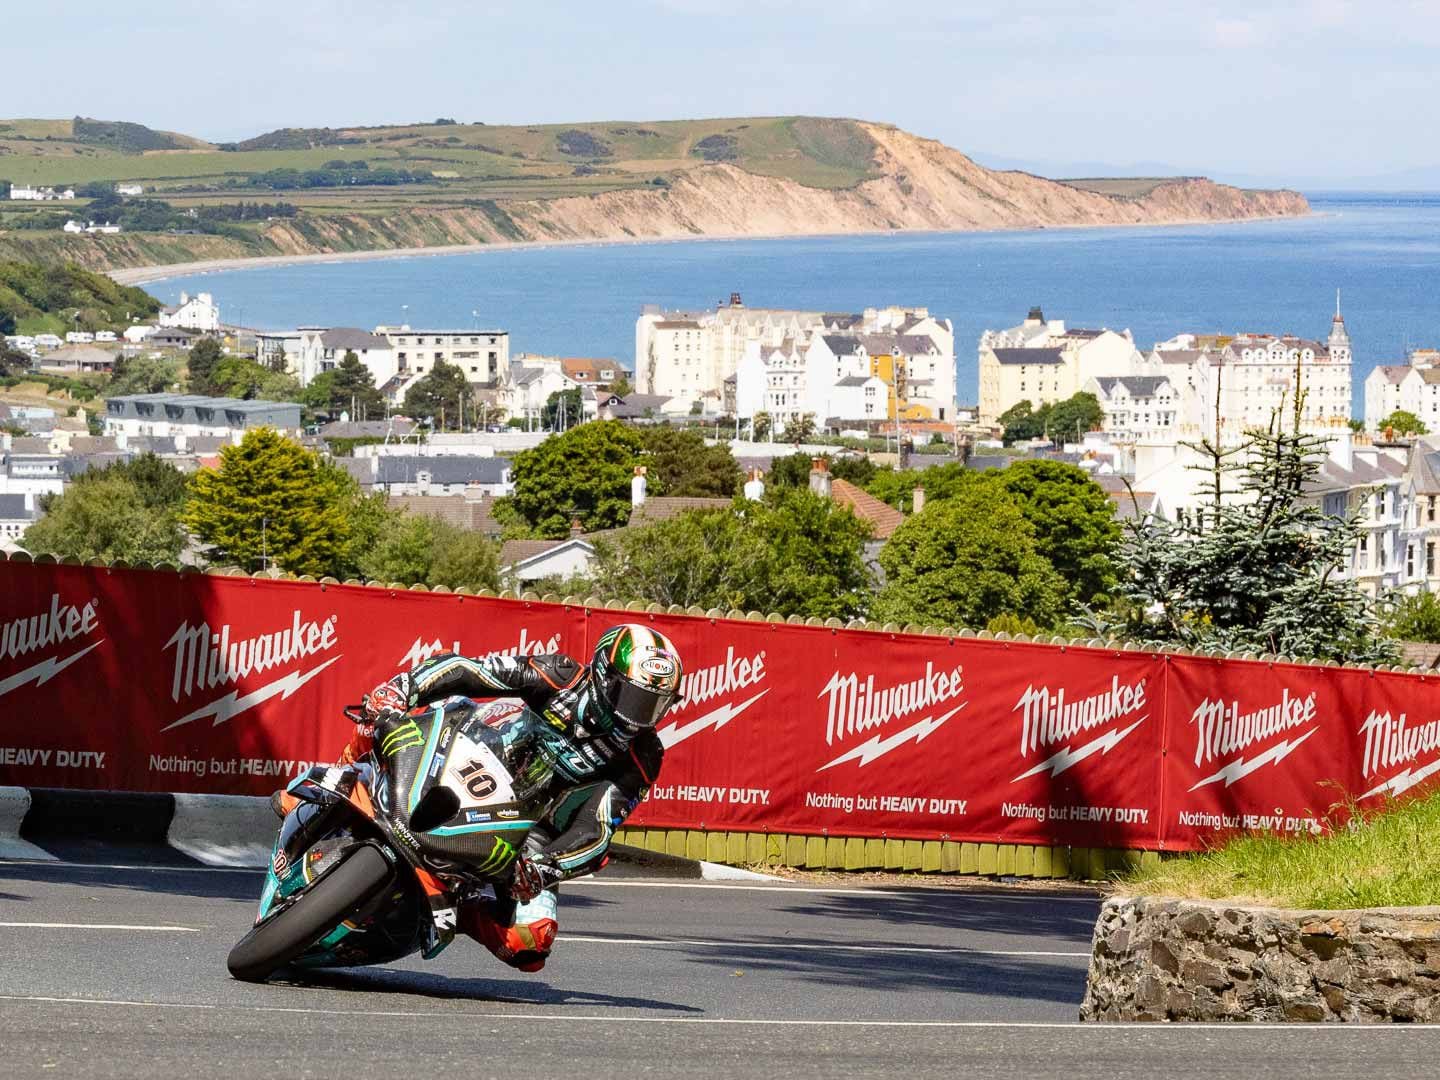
(499, 856)
(402, 738)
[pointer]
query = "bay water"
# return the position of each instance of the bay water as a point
(1382, 251)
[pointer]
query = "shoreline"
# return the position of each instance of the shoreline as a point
(149, 275)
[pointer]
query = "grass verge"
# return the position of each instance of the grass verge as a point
(1388, 859)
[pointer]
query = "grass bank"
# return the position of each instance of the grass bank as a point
(1390, 859)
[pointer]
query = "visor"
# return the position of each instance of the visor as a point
(636, 706)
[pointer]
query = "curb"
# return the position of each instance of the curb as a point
(235, 831)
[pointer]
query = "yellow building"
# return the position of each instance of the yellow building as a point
(890, 369)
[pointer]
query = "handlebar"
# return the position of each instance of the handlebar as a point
(355, 714)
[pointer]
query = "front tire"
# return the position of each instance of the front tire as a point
(319, 909)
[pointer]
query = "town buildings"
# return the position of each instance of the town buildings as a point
(192, 414)
(318, 350)
(22, 193)
(483, 355)
(791, 363)
(199, 313)
(1042, 361)
(1413, 386)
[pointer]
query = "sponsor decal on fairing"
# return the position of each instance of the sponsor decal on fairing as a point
(207, 659)
(1067, 724)
(55, 628)
(856, 706)
(703, 685)
(1394, 743)
(1223, 733)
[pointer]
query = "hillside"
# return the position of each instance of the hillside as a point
(35, 300)
(442, 183)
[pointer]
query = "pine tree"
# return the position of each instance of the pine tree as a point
(1256, 569)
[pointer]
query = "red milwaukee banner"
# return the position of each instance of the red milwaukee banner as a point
(155, 681)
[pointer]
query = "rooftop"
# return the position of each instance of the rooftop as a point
(1047, 355)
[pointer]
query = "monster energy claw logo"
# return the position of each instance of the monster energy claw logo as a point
(402, 738)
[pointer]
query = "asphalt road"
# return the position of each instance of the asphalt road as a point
(112, 972)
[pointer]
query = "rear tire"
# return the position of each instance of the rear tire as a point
(323, 906)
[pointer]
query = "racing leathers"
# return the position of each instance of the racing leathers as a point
(590, 790)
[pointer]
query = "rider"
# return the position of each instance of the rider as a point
(607, 709)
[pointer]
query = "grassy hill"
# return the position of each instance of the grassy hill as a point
(37, 300)
(448, 160)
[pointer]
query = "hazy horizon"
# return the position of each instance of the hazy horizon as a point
(1296, 92)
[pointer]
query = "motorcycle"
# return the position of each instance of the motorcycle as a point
(376, 857)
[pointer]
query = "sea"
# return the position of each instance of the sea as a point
(1379, 251)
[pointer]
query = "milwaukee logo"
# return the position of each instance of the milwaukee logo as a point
(61, 623)
(1222, 730)
(1052, 719)
(422, 650)
(206, 659)
(1391, 743)
(705, 684)
(856, 707)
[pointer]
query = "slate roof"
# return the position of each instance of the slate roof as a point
(842, 344)
(1394, 373)
(1046, 355)
(12, 508)
(883, 517)
(348, 337)
(366, 429)
(635, 405)
(443, 469)
(1135, 385)
(514, 552)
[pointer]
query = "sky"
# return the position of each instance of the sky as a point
(1307, 92)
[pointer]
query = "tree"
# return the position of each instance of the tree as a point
(1414, 618)
(7, 321)
(1258, 568)
(621, 387)
(438, 395)
(12, 361)
(144, 375)
(1073, 520)
(242, 377)
(582, 473)
(680, 463)
(1073, 417)
(760, 425)
(204, 355)
(564, 408)
(1402, 422)
(353, 389)
(897, 486)
(794, 553)
(799, 429)
(274, 503)
(107, 517)
(419, 549)
(965, 561)
(1021, 423)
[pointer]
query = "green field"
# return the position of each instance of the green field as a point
(488, 162)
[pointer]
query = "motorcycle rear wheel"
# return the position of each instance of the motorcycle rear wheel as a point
(339, 894)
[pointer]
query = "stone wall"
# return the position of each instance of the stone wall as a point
(1158, 959)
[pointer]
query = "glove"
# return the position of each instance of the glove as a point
(531, 877)
(388, 699)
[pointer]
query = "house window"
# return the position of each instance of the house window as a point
(1430, 509)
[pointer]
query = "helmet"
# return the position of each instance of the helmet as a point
(635, 676)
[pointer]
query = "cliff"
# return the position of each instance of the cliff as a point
(914, 183)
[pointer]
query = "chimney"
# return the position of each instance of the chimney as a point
(422, 481)
(917, 500)
(576, 529)
(754, 486)
(735, 300)
(637, 486)
(820, 477)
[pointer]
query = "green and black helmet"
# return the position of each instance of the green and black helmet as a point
(635, 675)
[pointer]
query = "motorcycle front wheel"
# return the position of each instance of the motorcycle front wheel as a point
(328, 902)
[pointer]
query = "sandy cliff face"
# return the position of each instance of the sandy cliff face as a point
(923, 185)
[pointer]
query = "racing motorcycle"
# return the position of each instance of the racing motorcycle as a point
(376, 856)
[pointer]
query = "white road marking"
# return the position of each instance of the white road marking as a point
(779, 887)
(786, 946)
(1299, 1030)
(95, 926)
